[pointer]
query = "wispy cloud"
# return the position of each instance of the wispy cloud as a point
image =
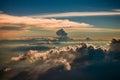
(116, 10)
(18, 25)
(30, 22)
(76, 14)
(1, 11)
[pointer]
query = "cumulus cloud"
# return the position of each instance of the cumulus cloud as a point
(53, 59)
(76, 14)
(114, 45)
(64, 56)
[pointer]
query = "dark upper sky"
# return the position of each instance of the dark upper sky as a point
(28, 7)
(33, 7)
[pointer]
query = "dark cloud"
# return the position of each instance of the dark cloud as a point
(63, 56)
(114, 50)
(61, 62)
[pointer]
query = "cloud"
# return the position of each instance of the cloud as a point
(10, 28)
(114, 46)
(66, 56)
(62, 56)
(30, 22)
(17, 25)
(1, 11)
(7, 34)
(118, 10)
(76, 14)
(47, 63)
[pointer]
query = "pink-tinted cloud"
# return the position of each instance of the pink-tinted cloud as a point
(12, 33)
(12, 26)
(30, 22)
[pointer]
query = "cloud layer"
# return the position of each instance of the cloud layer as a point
(29, 22)
(16, 25)
(63, 56)
(70, 58)
(76, 14)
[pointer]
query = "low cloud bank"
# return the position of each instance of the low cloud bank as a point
(64, 56)
(55, 60)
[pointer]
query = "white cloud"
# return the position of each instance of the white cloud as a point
(76, 14)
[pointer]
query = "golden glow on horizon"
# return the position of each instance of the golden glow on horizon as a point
(6, 20)
(26, 24)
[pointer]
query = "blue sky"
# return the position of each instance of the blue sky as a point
(27, 7)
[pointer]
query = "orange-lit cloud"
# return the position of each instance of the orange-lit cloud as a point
(16, 26)
(29, 22)
(11, 34)
(11, 26)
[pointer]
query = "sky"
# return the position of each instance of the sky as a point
(39, 17)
